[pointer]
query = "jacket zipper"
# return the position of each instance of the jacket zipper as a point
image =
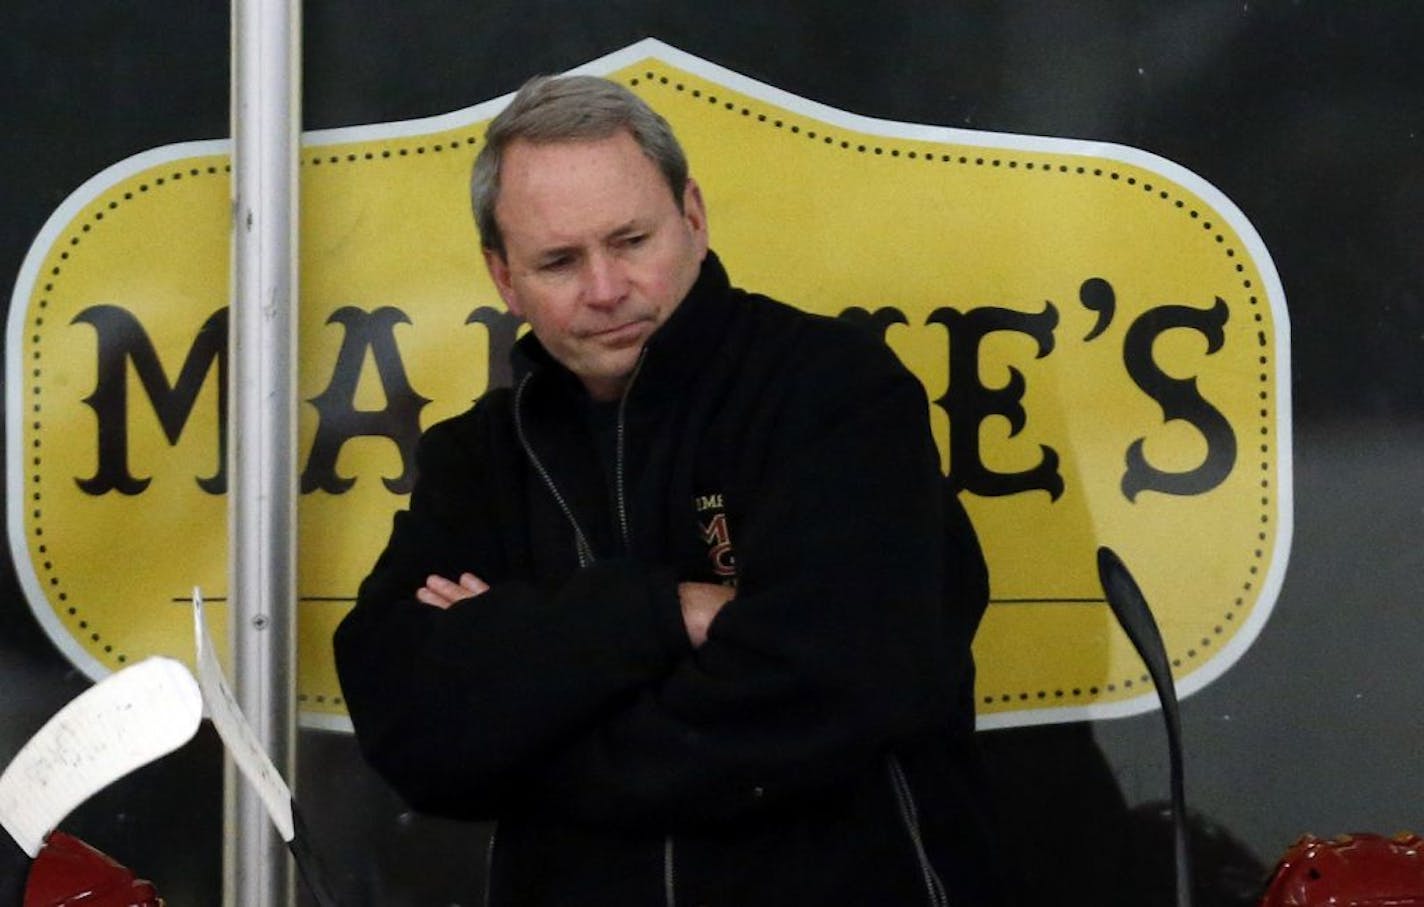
(618, 456)
(669, 873)
(585, 557)
(489, 865)
(581, 544)
(910, 816)
(620, 494)
(621, 497)
(585, 551)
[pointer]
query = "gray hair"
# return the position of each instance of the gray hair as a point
(568, 109)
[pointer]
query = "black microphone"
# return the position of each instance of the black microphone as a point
(1135, 617)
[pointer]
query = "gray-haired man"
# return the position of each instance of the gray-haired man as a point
(680, 609)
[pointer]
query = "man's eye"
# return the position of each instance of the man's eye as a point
(632, 241)
(555, 264)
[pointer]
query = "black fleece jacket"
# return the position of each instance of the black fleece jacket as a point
(814, 750)
(14, 871)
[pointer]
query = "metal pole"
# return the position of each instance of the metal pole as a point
(266, 118)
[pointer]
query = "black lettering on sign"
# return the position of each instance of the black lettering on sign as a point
(877, 322)
(122, 340)
(1097, 295)
(122, 343)
(338, 419)
(1179, 399)
(503, 330)
(968, 402)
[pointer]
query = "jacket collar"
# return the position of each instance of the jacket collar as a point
(675, 353)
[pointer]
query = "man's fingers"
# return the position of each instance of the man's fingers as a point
(701, 602)
(425, 596)
(445, 588)
(473, 583)
(440, 592)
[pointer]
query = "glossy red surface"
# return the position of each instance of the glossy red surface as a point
(70, 873)
(1350, 871)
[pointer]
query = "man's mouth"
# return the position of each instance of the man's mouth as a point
(621, 333)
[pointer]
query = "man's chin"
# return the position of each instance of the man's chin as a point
(606, 376)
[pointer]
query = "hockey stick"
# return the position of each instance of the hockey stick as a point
(121, 723)
(255, 765)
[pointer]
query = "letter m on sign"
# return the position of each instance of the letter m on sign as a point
(123, 342)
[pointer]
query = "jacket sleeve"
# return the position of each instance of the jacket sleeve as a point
(451, 705)
(839, 643)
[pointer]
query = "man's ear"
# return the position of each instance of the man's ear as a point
(694, 213)
(498, 267)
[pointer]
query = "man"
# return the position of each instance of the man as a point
(676, 609)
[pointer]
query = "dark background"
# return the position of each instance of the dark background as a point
(1308, 115)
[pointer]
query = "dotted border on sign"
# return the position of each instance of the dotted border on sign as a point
(835, 140)
(89, 223)
(826, 138)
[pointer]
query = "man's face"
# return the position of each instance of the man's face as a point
(596, 253)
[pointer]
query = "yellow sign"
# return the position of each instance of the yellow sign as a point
(1102, 334)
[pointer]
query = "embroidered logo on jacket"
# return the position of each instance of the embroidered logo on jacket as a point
(712, 521)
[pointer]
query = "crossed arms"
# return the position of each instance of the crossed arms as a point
(624, 697)
(700, 601)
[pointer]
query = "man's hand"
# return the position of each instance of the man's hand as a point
(700, 603)
(439, 592)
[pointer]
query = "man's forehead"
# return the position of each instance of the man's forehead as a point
(555, 179)
(558, 201)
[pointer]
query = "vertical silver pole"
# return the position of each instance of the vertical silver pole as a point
(262, 525)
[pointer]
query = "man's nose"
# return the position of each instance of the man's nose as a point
(604, 282)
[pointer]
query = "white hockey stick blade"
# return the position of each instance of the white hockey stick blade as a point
(236, 733)
(121, 723)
